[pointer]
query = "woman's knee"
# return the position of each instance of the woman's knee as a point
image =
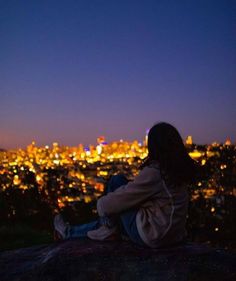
(116, 181)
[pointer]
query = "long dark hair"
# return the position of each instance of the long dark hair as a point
(166, 146)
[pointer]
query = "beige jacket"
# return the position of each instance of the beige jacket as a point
(162, 210)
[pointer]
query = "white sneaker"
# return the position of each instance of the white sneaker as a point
(103, 233)
(60, 226)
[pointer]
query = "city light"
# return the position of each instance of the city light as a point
(64, 176)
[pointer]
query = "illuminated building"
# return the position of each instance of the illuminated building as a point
(101, 140)
(228, 142)
(189, 140)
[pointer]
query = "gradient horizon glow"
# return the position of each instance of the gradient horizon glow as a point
(74, 70)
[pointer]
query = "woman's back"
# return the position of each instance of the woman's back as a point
(161, 219)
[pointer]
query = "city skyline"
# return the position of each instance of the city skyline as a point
(189, 140)
(74, 70)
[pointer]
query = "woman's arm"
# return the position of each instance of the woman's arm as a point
(144, 186)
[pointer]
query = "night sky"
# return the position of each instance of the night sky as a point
(71, 71)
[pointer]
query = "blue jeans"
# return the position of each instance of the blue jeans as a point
(126, 220)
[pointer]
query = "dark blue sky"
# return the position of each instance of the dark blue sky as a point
(73, 70)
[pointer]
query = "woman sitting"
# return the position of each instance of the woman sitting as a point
(152, 209)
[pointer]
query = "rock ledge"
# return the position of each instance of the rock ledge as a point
(83, 259)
